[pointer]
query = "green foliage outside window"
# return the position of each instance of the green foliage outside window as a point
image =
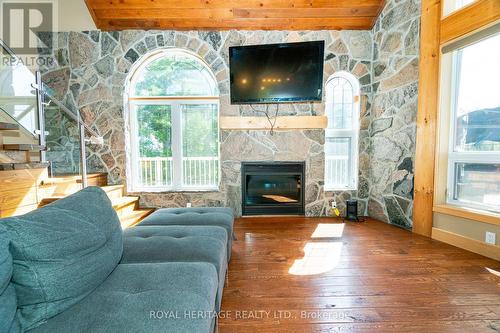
(155, 130)
(175, 75)
(199, 131)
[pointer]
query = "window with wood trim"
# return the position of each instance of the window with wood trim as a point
(450, 6)
(173, 104)
(341, 135)
(474, 137)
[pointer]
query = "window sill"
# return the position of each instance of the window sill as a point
(343, 189)
(162, 190)
(468, 213)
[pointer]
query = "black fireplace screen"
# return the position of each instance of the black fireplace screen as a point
(273, 188)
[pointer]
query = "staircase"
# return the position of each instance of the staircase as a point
(127, 207)
(17, 148)
(26, 185)
(25, 123)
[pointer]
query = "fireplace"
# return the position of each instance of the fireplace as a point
(272, 188)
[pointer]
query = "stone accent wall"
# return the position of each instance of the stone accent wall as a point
(89, 74)
(393, 127)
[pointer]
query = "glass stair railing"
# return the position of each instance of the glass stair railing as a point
(18, 98)
(26, 101)
(66, 137)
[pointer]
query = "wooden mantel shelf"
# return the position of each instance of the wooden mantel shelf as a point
(282, 123)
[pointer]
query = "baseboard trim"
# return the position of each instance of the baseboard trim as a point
(469, 244)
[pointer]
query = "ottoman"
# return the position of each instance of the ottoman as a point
(207, 216)
(157, 244)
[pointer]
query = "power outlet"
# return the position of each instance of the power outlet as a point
(334, 204)
(490, 238)
(188, 205)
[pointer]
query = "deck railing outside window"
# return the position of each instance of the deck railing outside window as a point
(198, 172)
(337, 170)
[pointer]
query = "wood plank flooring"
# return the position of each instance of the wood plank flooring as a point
(300, 275)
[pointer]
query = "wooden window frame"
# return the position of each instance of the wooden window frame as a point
(352, 133)
(177, 151)
(437, 31)
(175, 103)
(447, 157)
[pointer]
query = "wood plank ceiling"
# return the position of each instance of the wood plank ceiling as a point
(235, 14)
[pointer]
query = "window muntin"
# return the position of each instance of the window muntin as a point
(341, 142)
(175, 73)
(339, 107)
(477, 183)
(474, 154)
(174, 141)
(337, 159)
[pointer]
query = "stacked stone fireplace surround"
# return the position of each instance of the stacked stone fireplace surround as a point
(90, 68)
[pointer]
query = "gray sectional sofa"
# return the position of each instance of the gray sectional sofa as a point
(69, 267)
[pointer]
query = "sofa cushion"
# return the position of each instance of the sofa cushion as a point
(178, 244)
(201, 210)
(62, 252)
(145, 298)
(212, 216)
(8, 303)
(177, 231)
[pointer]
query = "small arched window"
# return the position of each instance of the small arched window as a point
(341, 135)
(173, 104)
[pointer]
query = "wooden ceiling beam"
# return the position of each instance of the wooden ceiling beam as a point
(305, 13)
(227, 13)
(234, 14)
(131, 4)
(334, 23)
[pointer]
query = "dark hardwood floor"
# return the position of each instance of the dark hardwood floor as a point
(299, 275)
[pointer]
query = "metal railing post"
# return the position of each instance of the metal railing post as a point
(83, 153)
(41, 115)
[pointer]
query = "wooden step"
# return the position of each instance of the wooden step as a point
(125, 205)
(59, 187)
(122, 205)
(93, 179)
(113, 191)
(49, 200)
(8, 127)
(61, 190)
(23, 147)
(129, 220)
(23, 166)
(12, 156)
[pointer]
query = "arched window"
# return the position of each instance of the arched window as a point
(173, 104)
(341, 135)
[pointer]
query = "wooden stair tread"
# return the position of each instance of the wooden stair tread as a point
(109, 188)
(8, 126)
(117, 203)
(71, 178)
(123, 202)
(46, 201)
(23, 166)
(23, 147)
(134, 217)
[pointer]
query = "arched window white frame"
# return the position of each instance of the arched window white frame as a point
(342, 133)
(173, 112)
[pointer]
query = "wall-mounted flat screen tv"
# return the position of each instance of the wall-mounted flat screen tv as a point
(274, 73)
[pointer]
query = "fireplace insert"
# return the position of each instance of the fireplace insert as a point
(272, 188)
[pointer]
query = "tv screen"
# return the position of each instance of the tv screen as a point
(273, 73)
